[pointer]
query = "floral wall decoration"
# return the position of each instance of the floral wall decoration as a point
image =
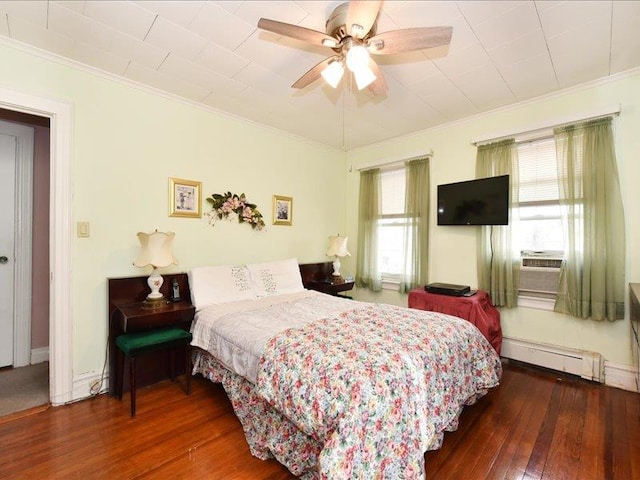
(230, 206)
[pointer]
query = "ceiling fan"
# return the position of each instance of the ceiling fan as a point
(351, 32)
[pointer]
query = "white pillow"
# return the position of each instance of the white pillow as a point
(276, 278)
(220, 284)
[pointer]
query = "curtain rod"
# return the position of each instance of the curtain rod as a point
(557, 122)
(389, 162)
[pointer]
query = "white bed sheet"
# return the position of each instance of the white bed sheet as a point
(236, 333)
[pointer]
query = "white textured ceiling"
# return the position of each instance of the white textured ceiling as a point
(211, 52)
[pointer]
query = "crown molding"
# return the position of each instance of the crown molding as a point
(67, 62)
(29, 49)
(514, 106)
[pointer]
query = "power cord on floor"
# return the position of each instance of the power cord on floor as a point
(96, 386)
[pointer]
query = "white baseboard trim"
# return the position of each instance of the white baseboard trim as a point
(588, 365)
(83, 385)
(39, 355)
(621, 376)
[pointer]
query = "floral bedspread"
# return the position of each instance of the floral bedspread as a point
(362, 394)
(268, 432)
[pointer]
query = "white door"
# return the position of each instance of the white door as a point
(7, 254)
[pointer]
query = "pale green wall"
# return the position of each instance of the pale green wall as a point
(127, 143)
(452, 249)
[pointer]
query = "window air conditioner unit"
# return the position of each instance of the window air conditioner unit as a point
(537, 262)
(539, 273)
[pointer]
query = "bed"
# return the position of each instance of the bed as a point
(331, 387)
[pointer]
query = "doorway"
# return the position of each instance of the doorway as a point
(24, 259)
(59, 113)
(7, 244)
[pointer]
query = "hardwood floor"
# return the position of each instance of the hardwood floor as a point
(543, 425)
(535, 425)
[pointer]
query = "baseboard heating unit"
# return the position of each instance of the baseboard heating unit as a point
(588, 365)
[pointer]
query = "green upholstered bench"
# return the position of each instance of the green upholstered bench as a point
(131, 345)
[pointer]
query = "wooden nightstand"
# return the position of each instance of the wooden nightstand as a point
(133, 318)
(126, 315)
(634, 315)
(333, 286)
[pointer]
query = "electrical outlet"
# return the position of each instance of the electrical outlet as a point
(94, 387)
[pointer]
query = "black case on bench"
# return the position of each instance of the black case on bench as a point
(447, 289)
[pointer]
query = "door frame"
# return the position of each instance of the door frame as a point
(23, 208)
(60, 221)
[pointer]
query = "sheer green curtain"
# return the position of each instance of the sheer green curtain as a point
(497, 262)
(592, 275)
(416, 251)
(367, 271)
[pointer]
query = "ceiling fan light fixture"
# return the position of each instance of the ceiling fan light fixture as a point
(357, 58)
(333, 73)
(356, 30)
(364, 77)
(351, 31)
(376, 45)
(329, 42)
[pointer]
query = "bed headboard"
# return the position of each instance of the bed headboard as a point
(313, 272)
(135, 289)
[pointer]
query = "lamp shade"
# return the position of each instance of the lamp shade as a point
(338, 247)
(155, 249)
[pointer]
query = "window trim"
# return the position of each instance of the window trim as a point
(538, 303)
(389, 284)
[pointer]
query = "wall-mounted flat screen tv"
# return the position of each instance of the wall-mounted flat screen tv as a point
(484, 201)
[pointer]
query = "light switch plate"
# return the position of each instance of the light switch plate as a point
(83, 229)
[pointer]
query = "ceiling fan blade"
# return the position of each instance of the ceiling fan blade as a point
(313, 74)
(297, 32)
(409, 39)
(363, 14)
(379, 85)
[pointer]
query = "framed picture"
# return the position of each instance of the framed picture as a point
(185, 198)
(282, 210)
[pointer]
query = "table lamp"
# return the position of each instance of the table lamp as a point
(155, 251)
(337, 249)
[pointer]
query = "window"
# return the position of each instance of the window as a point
(392, 225)
(538, 233)
(582, 217)
(393, 230)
